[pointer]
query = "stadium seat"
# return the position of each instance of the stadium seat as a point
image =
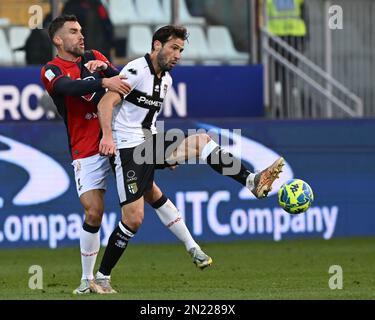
(150, 11)
(17, 39)
(122, 12)
(6, 57)
(196, 47)
(184, 15)
(139, 41)
(221, 46)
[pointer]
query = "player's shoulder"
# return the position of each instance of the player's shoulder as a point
(52, 69)
(135, 67)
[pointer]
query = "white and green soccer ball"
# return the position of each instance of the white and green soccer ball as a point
(295, 196)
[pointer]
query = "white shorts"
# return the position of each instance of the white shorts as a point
(91, 173)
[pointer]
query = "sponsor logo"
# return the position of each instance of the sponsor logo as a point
(209, 216)
(120, 244)
(149, 102)
(91, 115)
(49, 75)
(80, 186)
(132, 71)
(131, 176)
(40, 187)
(89, 96)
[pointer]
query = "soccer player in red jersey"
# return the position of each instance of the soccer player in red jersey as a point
(76, 80)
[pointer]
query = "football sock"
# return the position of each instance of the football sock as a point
(117, 243)
(226, 164)
(171, 218)
(89, 241)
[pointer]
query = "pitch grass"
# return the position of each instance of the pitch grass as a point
(296, 269)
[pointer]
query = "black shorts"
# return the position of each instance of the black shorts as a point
(134, 167)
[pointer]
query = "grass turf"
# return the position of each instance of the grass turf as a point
(244, 270)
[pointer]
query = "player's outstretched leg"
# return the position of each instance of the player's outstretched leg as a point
(223, 162)
(263, 180)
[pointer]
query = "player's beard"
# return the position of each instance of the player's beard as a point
(76, 51)
(163, 62)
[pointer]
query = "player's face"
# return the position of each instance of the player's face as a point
(72, 38)
(170, 53)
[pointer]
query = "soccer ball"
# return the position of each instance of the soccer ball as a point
(295, 196)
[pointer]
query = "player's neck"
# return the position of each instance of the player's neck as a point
(67, 56)
(156, 66)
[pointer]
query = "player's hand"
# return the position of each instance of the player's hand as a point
(107, 147)
(96, 65)
(117, 84)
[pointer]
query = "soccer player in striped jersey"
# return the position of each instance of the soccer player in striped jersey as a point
(128, 124)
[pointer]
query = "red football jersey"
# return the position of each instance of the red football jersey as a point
(76, 101)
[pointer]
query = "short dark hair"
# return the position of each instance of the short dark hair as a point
(58, 23)
(168, 32)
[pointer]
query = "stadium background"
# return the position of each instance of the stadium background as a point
(333, 151)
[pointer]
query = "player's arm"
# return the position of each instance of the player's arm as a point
(105, 109)
(69, 87)
(106, 104)
(61, 84)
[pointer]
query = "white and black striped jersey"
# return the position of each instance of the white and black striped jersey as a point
(137, 113)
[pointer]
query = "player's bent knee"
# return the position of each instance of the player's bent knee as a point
(93, 216)
(134, 223)
(133, 219)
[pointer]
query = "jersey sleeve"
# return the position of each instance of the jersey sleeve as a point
(56, 82)
(49, 74)
(133, 75)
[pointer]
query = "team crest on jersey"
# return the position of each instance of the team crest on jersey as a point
(133, 188)
(165, 89)
(89, 96)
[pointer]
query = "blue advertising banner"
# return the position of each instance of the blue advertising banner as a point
(39, 205)
(198, 92)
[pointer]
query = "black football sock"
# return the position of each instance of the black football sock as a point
(224, 162)
(117, 243)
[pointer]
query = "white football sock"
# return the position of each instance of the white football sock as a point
(172, 219)
(90, 245)
(250, 180)
(208, 148)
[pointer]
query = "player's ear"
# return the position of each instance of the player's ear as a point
(157, 45)
(57, 40)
